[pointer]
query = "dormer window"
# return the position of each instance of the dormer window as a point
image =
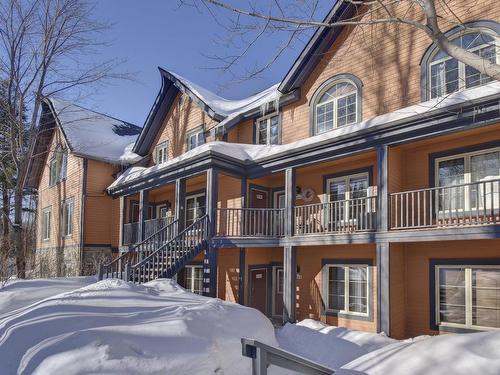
(58, 165)
(443, 75)
(195, 137)
(268, 130)
(336, 103)
(161, 152)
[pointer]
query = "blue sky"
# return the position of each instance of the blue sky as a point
(148, 34)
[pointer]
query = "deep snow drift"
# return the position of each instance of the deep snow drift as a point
(117, 327)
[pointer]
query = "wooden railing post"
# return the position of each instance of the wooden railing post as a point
(100, 271)
(290, 193)
(143, 214)
(126, 276)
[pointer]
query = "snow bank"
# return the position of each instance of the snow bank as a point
(121, 328)
(20, 293)
(355, 352)
(457, 354)
(328, 345)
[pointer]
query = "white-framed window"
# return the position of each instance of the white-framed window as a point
(58, 165)
(336, 106)
(447, 74)
(46, 223)
(195, 138)
(268, 130)
(195, 207)
(344, 192)
(193, 278)
(161, 152)
(458, 173)
(67, 212)
(468, 296)
(347, 288)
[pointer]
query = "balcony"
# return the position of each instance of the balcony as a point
(469, 204)
(250, 222)
(345, 216)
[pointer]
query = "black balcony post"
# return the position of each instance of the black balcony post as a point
(382, 188)
(383, 248)
(210, 261)
(143, 214)
(180, 203)
(123, 214)
(290, 193)
(289, 283)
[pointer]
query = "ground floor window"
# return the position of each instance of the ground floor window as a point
(347, 288)
(191, 278)
(468, 296)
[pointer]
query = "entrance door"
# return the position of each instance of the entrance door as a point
(257, 220)
(278, 291)
(258, 290)
(195, 208)
(278, 202)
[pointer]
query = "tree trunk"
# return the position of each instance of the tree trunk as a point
(4, 243)
(17, 233)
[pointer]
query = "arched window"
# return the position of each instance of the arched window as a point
(444, 74)
(336, 103)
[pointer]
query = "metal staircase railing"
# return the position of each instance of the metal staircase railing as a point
(116, 268)
(169, 258)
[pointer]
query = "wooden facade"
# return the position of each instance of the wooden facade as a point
(275, 233)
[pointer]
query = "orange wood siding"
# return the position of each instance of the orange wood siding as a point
(101, 211)
(397, 297)
(409, 164)
(417, 256)
(386, 58)
(309, 261)
(54, 196)
(179, 120)
(228, 274)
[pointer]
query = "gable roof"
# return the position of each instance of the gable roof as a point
(319, 43)
(87, 133)
(220, 109)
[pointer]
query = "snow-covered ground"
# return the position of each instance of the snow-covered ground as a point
(78, 326)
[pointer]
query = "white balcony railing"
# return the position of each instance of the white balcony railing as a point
(475, 203)
(250, 222)
(345, 216)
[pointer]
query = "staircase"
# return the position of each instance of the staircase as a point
(162, 255)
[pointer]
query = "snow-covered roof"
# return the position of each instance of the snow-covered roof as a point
(228, 107)
(95, 135)
(257, 153)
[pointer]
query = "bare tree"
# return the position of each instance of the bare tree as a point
(298, 17)
(42, 43)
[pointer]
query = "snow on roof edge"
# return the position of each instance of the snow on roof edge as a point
(258, 153)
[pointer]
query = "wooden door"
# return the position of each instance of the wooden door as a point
(257, 220)
(258, 290)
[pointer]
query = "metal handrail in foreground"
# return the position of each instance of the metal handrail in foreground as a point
(263, 355)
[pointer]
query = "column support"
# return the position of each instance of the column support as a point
(143, 213)
(290, 194)
(123, 215)
(180, 202)
(241, 288)
(289, 283)
(383, 287)
(210, 261)
(382, 188)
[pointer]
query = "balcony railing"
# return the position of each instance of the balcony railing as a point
(131, 230)
(475, 203)
(130, 233)
(250, 222)
(345, 216)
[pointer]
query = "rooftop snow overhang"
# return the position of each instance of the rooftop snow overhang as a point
(458, 111)
(319, 43)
